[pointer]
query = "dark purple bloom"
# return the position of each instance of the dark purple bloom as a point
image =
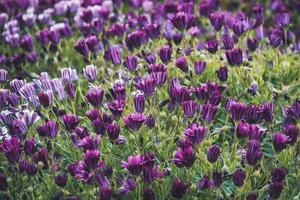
(252, 44)
(213, 153)
(195, 133)
(95, 96)
(282, 19)
(93, 43)
(204, 183)
(136, 39)
(131, 63)
(228, 42)
(179, 188)
(211, 45)
(134, 121)
(134, 164)
(116, 107)
(234, 57)
(253, 153)
(165, 54)
(70, 121)
(150, 58)
(208, 112)
(217, 178)
(146, 85)
(152, 30)
(11, 149)
(275, 189)
(222, 73)
(30, 146)
(150, 121)
(280, 141)
(61, 180)
(30, 168)
(114, 55)
(46, 98)
(81, 47)
(99, 126)
(189, 108)
(42, 156)
(236, 109)
(3, 182)
(26, 43)
(217, 20)
(252, 196)
(49, 129)
(32, 57)
(119, 90)
(278, 174)
(275, 38)
(139, 102)
(292, 131)
(184, 157)
(42, 36)
(91, 159)
(116, 29)
(113, 131)
(89, 142)
(18, 127)
(148, 194)
(177, 37)
(182, 64)
(239, 177)
(3, 97)
(199, 67)
(54, 36)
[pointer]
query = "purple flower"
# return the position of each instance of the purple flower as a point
(208, 112)
(152, 30)
(11, 149)
(253, 153)
(252, 44)
(252, 196)
(189, 108)
(177, 38)
(54, 36)
(61, 180)
(116, 29)
(184, 157)
(91, 159)
(3, 97)
(18, 127)
(150, 121)
(116, 107)
(3, 75)
(49, 129)
(3, 182)
(199, 67)
(217, 178)
(275, 189)
(26, 43)
(32, 57)
(222, 73)
(280, 142)
(275, 38)
(195, 133)
(93, 44)
(95, 96)
(70, 121)
(211, 45)
(134, 121)
(99, 126)
(179, 188)
(149, 194)
(114, 55)
(90, 72)
(134, 164)
(204, 183)
(89, 142)
(42, 36)
(292, 131)
(119, 90)
(236, 109)
(239, 177)
(282, 19)
(30, 168)
(146, 85)
(228, 42)
(217, 20)
(113, 131)
(183, 20)
(182, 64)
(139, 102)
(234, 57)
(131, 63)
(46, 98)
(278, 174)
(135, 39)
(30, 146)
(165, 54)
(81, 47)
(213, 153)
(42, 156)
